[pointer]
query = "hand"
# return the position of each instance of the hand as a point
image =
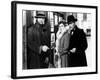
(56, 57)
(73, 50)
(45, 48)
(47, 60)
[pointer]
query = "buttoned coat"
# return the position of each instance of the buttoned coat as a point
(38, 36)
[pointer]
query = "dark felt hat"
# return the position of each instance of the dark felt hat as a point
(71, 19)
(40, 14)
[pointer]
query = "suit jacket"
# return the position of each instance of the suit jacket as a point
(78, 40)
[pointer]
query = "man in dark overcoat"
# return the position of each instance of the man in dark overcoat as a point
(38, 43)
(77, 44)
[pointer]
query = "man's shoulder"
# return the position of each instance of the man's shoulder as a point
(30, 29)
(79, 29)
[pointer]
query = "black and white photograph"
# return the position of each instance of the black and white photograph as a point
(53, 39)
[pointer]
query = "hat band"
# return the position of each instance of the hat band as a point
(40, 16)
(70, 21)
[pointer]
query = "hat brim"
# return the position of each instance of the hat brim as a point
(72, 21)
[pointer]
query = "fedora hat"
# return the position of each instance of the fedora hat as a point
(40, 14)
(71, 19)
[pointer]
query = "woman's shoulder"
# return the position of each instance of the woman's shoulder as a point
(66, 35)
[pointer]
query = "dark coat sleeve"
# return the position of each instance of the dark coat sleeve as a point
(82, 41)
(33, 40)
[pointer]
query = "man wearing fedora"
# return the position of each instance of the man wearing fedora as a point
(38, 43)
(77, 44)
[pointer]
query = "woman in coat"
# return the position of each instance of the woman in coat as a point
(62, 44)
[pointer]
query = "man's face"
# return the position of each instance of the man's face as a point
(41, 20)
(71, 25)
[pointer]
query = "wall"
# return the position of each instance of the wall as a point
(5, 39)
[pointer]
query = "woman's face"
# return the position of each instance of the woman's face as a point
(61, 27)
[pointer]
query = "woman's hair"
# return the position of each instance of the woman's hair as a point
(62, 22)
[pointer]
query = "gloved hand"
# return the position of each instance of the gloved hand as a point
(45, 48)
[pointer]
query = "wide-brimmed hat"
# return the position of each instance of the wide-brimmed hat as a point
(71, 19)
(40, 14)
